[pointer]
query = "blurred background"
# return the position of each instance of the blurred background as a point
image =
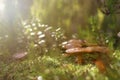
(78, 18)
(40, 26)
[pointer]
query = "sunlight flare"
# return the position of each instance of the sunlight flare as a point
(2, 5)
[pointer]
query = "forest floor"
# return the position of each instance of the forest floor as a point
(57, 67)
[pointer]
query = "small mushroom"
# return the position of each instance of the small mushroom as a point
(20, 55)
(73, 43)
(77, 41)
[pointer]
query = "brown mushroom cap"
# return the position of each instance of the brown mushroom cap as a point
(20, 55)
(91, 49)
(73, 43)
(69, 46)
(76, 47)
(79, 41)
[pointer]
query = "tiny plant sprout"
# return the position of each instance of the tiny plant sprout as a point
(41, 36)
(64, 42)
(42, 25)
(30, 30)
(33, 24)
(39, 78)
(42, 41)
(27, 26)
(35, 45)
(46, 25)
(58, 29)
(6, 36)
(35, 28)
(38, 19)
(107, 41)
(118, 34)
(39, 25)
(32, 33)
(52, 35)
(24, 22)
(39, 33)
(48, 29)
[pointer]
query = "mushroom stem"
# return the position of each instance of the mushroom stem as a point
(101, 66)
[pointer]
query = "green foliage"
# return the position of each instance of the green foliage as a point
(53, 68)
(68, 14)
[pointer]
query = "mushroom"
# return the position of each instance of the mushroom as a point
(20, 55)
(90, 49)
(78, 48)
(73, 43)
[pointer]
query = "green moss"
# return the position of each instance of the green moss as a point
(54, 68)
